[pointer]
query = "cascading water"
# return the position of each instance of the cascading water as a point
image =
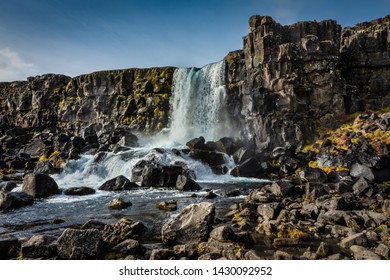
(197, 103)
(197, 109)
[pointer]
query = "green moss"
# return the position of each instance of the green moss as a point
(20, 255)
(113, 256)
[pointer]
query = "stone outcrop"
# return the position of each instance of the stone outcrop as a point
(288, 79)
(138, 98)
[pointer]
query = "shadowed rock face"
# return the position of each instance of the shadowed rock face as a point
(138, 98)
(287, 78)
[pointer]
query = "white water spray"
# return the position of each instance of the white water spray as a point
(198, 103)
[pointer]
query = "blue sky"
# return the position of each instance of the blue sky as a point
(75, 37)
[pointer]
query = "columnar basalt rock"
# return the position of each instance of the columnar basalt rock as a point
(288, 78)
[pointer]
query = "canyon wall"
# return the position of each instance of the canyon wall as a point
(292, 81)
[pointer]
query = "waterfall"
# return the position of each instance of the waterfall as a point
(198, 103)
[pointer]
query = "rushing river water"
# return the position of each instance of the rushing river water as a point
(197, 108)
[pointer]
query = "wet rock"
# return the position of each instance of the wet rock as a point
(356, 239)
(46, 167)
(210, 195)
(359, 170)
(74, 244)
(226, 145)
(233, 193)
(197, 143)
(185, 183)
(9, 247)
(248, 168)
(193, 224)
(130, 247)
(39, 185)
(361, 253)
(93, 224)
(169, 205)
(40, 246)
(118, 204)
(79, 191)
(211, 158)
(13, 200)
(242, 154)
(7, 186)
(120, 183)
(122, 230)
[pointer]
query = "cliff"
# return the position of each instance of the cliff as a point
(290, 80)
(138, 98)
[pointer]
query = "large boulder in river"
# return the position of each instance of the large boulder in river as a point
(193, 224)
(75, 244)
(185, 183)
(120, 183)
(14, 200)
(39, 185)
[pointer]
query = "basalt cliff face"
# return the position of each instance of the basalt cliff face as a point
(288, 80)
(135, 98)
(286, 83)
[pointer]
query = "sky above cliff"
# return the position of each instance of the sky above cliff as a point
(75, 37)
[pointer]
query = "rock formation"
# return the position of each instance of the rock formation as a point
(288, 78)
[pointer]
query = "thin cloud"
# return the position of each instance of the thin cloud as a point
(13, 67)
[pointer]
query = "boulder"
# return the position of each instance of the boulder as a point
(122, 230)
(161, 254)
(314, 175)
(249, 168)
(359, 239)
(9, 247)
(39, 185)
(40, 246)
(359, 170)
(197, 143)
(361, 253)
(212, 158)
(7, 186)
(14, 200)
(223, 234)
(118, 204)
(79, 191)
(130, 247)
(193, 224)
(169, 205)
(185, 183)
(75, 244)
(120, 183)
(285, 189)
(360, 187)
